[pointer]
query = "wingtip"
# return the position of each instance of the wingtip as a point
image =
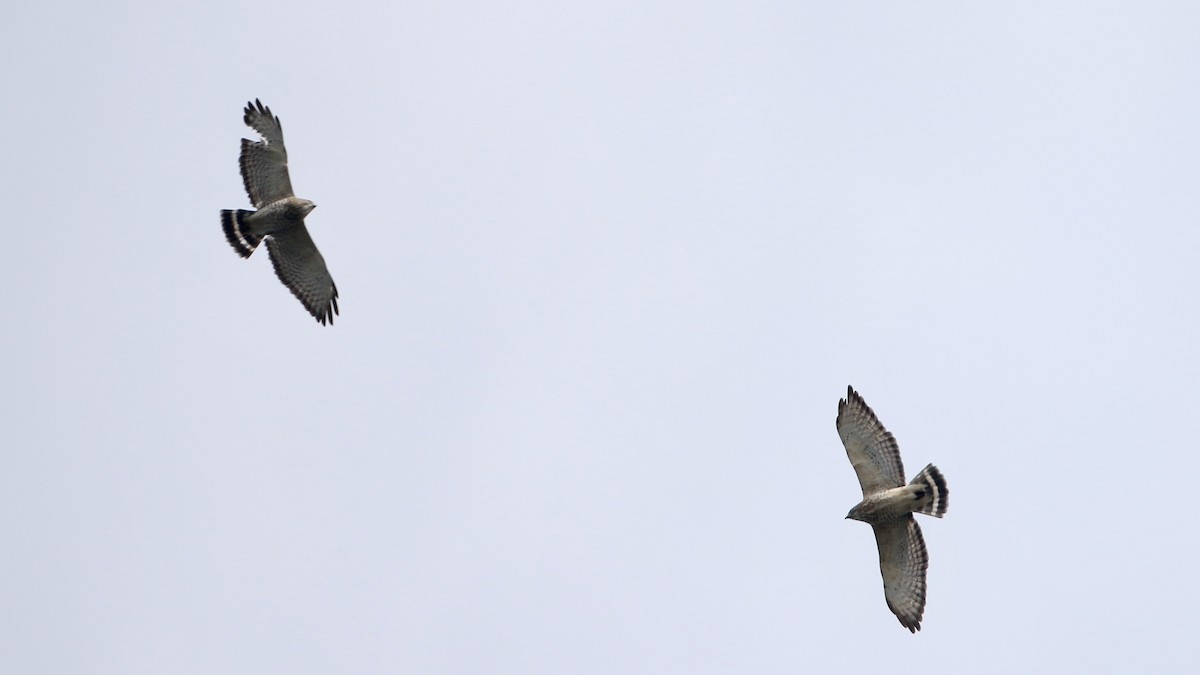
(324, 315)
(913, 625)
(256, 106)
(851, 397)
(329, 310)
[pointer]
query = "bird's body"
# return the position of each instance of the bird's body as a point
(279, 219)
(926, 494)
(282, 214)
(888, 505)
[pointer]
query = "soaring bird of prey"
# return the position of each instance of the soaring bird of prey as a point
(888, 506)
(279, 219)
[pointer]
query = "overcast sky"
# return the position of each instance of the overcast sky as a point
(605, 270)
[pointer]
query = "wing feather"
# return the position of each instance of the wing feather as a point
(300, 266)
(903, 562)
(871, 448)
(264, 163)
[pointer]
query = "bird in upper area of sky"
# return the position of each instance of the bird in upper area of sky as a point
(279, 219)
(888, 506)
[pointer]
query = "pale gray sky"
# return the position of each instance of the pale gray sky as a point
(605, 270)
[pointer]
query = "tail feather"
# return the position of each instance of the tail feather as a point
(934, 484)
(239, 236)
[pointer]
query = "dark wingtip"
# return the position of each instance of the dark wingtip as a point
(852, 398)
(256, 106)
(324, 315)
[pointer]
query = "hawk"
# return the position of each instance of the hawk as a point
(888, 506)
(279, 219)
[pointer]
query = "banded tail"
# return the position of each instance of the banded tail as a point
(237, 233)
(932, 483)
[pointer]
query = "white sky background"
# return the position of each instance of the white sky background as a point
(605, 271)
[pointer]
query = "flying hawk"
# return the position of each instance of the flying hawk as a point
(279, 219)
(888, 506)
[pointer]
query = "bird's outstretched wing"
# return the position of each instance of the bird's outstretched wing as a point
(300, 267)
(871, 448)
(903, 561)
(264, 163)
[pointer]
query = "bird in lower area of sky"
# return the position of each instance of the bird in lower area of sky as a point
(888, 505)
(279, 219)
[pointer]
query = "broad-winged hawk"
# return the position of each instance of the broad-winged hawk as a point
(279, 219)
(888, 506)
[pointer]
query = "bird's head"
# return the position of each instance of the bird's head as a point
(857, 513)
(298, 208)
